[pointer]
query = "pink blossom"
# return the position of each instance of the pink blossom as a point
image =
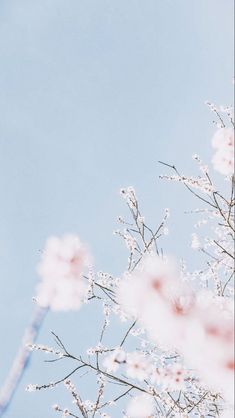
(170, 377)
(63, 261)
(201, 328)
(141, 407)
(223, 162)
(223, 137)
(155, 295)
(223, 159)
(112, 361)
(138, 367)
(210, 346)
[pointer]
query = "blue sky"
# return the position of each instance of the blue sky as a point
(92, 95)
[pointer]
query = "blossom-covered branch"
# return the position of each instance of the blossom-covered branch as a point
(174, 353)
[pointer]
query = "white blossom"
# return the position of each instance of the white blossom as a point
(141, 407)
(195, 242)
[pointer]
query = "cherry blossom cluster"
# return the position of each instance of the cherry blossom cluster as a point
(175, 356)
(197, 325)
(44, 349)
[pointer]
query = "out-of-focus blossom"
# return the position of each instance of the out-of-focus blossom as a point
(223, 159)
(138, 367)
(223, 137)
(110, 364)
(223, 162)
(140, 407)
(229, 413)
(200, 328)
(63, 261)
(112, 361)
(170, 377)
(156, 296)
(210, 346)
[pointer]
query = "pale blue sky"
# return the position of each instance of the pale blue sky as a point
(92, 94)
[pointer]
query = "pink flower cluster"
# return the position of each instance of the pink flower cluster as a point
(63, 261)
(223, 159)
(200, 328)
(171, 377)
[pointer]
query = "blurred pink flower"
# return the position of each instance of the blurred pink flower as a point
(223, 159)
(200, 328)
(138, 367)
(210, 345)
(141, 407)
(223, 137)
(112, 361)
(156, 296)
(63, 261)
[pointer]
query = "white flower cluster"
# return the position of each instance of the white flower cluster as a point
(199, 183)
(179, 361)
(129, 195)
(129, 240)
(45, 349)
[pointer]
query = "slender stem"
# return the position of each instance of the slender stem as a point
(49, 385)
(127, 333)
(188, 187)
(21, 360)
